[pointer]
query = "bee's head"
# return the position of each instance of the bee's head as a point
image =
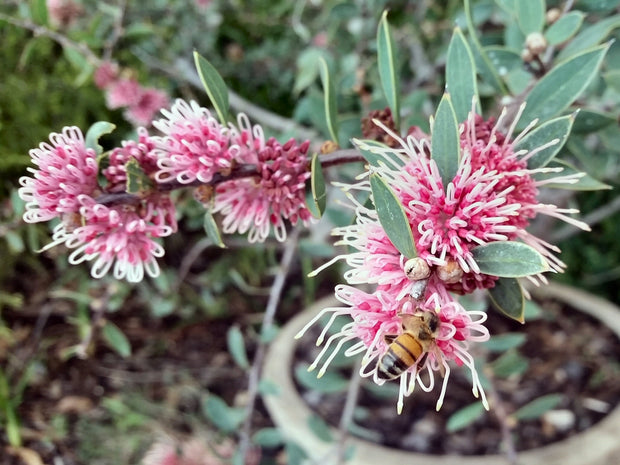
(431, 319)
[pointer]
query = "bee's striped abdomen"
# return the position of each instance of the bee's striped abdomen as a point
(402, 353)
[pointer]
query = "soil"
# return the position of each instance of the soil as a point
(569, 353)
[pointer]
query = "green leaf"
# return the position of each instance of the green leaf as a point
(612, 79)
(483, 64)
(39, 12)
(392, 217)
(461, 76)
(464, 417)
(308, 68)
(138, 183)
(591, 121)
(116, 339)
(507, 297)
(210, 226)
(295, 455)
(320, 429)
(562, 85)
(12, 427)
(504, 59)
(508, 259)
(590, 36)
(225, 418)
(214, 85)
(236, 347)
(318, 195)
(537, 407)
(558, 128)
(511, 363)
(530, 15)
(585, 183)
(445, 144)
(386, 57)
(376, 153)
(329, 95)
(504, 342)
(268, 437)
(330, 382)
(564, 28)
(93, 134)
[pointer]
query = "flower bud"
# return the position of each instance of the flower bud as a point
(416, 269)
(552, 15)
(450, 273)
(536, 43)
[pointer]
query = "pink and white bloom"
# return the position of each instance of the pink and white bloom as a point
(491, 198)
(375, 316)
(275, 195)
(148, 103)
(121, 238)
(66, 168)
(122, 93)
(194, 145)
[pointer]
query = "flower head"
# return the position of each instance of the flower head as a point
(122, 237)
(195, 146)
(65, 170)
(276, 194)
(122, 93)
(106, 74)
(146, 106)
(377, 318)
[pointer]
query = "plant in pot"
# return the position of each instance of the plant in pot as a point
(441, 216)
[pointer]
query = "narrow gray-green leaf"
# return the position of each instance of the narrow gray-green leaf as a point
(214, 85)
(213, 232)
(538, 406)
(530, 15)
(320, 428)
(268, 437)
(236, 347)
(504, 342)
(510, 363)
(137, 182)
(464, 417)
(445, 144)
(39, 12)
(508, 259)
(503, 59)
(317, 185)
(461, 76)
(564, 28)
(562, 85)
(584, 183)
(116, 339)
(591, 121)
(388, 73)
(225, 418)
(329, 94)
(376, 153)
(590, 35)
(507, 297)
(392, 217)
(484, 66)
(93, 134)
(557, 128)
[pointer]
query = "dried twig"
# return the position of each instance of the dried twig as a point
(267, 324)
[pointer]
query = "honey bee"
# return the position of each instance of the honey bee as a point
(413, 344)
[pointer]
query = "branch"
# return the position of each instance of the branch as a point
(267, 325)
(63, 40)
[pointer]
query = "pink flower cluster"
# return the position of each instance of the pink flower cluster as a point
(121, 235)
(492, 197)
(141, 103)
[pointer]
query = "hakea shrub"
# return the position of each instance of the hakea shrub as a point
(492, 198)
(81, 190)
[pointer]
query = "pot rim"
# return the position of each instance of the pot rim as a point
(594, 446)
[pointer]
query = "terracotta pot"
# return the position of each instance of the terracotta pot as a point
(598, 445)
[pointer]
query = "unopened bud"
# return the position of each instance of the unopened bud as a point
(329, 146)
(526, 55)
(204, 193)
(416, 269)
(450, 273)
(552, 15)
(536, 43)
